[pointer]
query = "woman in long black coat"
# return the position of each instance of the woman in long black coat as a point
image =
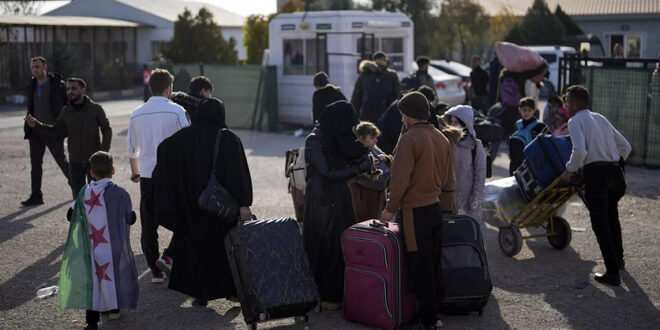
(184, 162)
(333, 156)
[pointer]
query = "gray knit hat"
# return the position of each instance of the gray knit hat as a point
(415, 105)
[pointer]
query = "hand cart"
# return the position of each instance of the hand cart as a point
(540, 212)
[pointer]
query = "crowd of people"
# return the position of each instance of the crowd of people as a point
(393, 153)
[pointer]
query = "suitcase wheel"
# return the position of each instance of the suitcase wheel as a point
(301, 319)
(510, 240)
(263, 317)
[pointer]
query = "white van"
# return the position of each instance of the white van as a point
(552, 55)
(303, 43)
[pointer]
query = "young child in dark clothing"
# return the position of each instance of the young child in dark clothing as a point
(527, 129)
(369, 199)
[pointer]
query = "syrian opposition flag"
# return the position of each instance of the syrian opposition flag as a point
(87, 273)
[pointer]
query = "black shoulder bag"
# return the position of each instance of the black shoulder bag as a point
(215, 199)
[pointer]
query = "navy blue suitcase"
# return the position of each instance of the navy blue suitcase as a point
(270, 269)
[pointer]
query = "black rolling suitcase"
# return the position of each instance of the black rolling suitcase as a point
(464, 269)
(271, 271)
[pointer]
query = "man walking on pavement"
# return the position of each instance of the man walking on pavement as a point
(46, 96)
(81, 121)
(150, 124)
(420, 169)
(376, 88)
(479, 79)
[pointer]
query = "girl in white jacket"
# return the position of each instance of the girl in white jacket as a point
(470, 166)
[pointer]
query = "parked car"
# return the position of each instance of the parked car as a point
(457, 69)
(448, 87)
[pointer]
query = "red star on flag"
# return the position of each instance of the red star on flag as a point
(93, 200)
(100, 271)
(97, 235)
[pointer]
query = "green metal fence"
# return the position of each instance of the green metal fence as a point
(630, 99)
(249, 92)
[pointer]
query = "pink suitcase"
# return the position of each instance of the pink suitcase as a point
(375, 286)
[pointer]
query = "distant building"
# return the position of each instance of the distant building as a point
(633, 23)
(156, 18)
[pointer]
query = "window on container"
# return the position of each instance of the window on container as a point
(315, 55)
(393, 47)
(633, 46)
(294, 57)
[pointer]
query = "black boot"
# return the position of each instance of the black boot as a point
(35, 199)
(608, 278)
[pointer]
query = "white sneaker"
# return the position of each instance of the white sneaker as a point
(158, 279)
(165, 264)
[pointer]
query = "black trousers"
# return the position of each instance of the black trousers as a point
(79, 175)
(93, 317)
(38, 144)
(605, 184)
(149, 236)
(423, 264)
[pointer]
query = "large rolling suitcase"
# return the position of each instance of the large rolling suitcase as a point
(464, 269)
(271, 271)
(375, 290)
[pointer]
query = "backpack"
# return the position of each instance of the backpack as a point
(296, 168)
(376, 96)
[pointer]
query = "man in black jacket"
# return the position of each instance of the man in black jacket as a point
(46, 96)
(81, 120)
(199, 91)
(479, 78)
(324, 95)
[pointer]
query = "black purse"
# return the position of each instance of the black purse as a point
(215, 199)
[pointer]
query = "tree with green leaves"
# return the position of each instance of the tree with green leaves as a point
(255, 37)
(572, 29)
(539, 27)
(461, 26)
(199, 39)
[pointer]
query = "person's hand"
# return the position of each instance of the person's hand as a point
(135, 177)
(383, 158)
(375, 177)
(386, 216)
(31, 121)
(566, 176)
(245, 213)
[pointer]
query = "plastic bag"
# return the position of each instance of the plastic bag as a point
(502, 201)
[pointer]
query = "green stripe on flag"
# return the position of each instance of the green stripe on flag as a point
(76, 286)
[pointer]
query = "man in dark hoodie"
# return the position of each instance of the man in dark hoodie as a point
(46, 96)
(375, 89)
(324, 95)
(200, 90)
(81, 120)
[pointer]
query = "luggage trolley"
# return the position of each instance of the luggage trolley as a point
(540, 212)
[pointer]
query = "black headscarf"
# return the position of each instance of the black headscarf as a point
(336, 125)
(211, 113)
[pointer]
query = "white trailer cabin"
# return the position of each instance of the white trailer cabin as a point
(304, 43)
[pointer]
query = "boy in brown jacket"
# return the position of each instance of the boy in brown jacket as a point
(419, 171)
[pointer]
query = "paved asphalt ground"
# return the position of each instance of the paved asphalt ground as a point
(539, 288)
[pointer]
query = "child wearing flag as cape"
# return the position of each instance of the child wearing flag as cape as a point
(98, 271)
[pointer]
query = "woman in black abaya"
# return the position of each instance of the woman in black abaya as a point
(184, 162)
(333, 156)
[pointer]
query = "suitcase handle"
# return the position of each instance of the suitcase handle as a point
(376, 224)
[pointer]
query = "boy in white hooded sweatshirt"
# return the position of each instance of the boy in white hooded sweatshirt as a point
(470, 166)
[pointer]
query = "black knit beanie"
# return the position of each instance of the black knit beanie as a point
(320, 79)
(415, 105)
